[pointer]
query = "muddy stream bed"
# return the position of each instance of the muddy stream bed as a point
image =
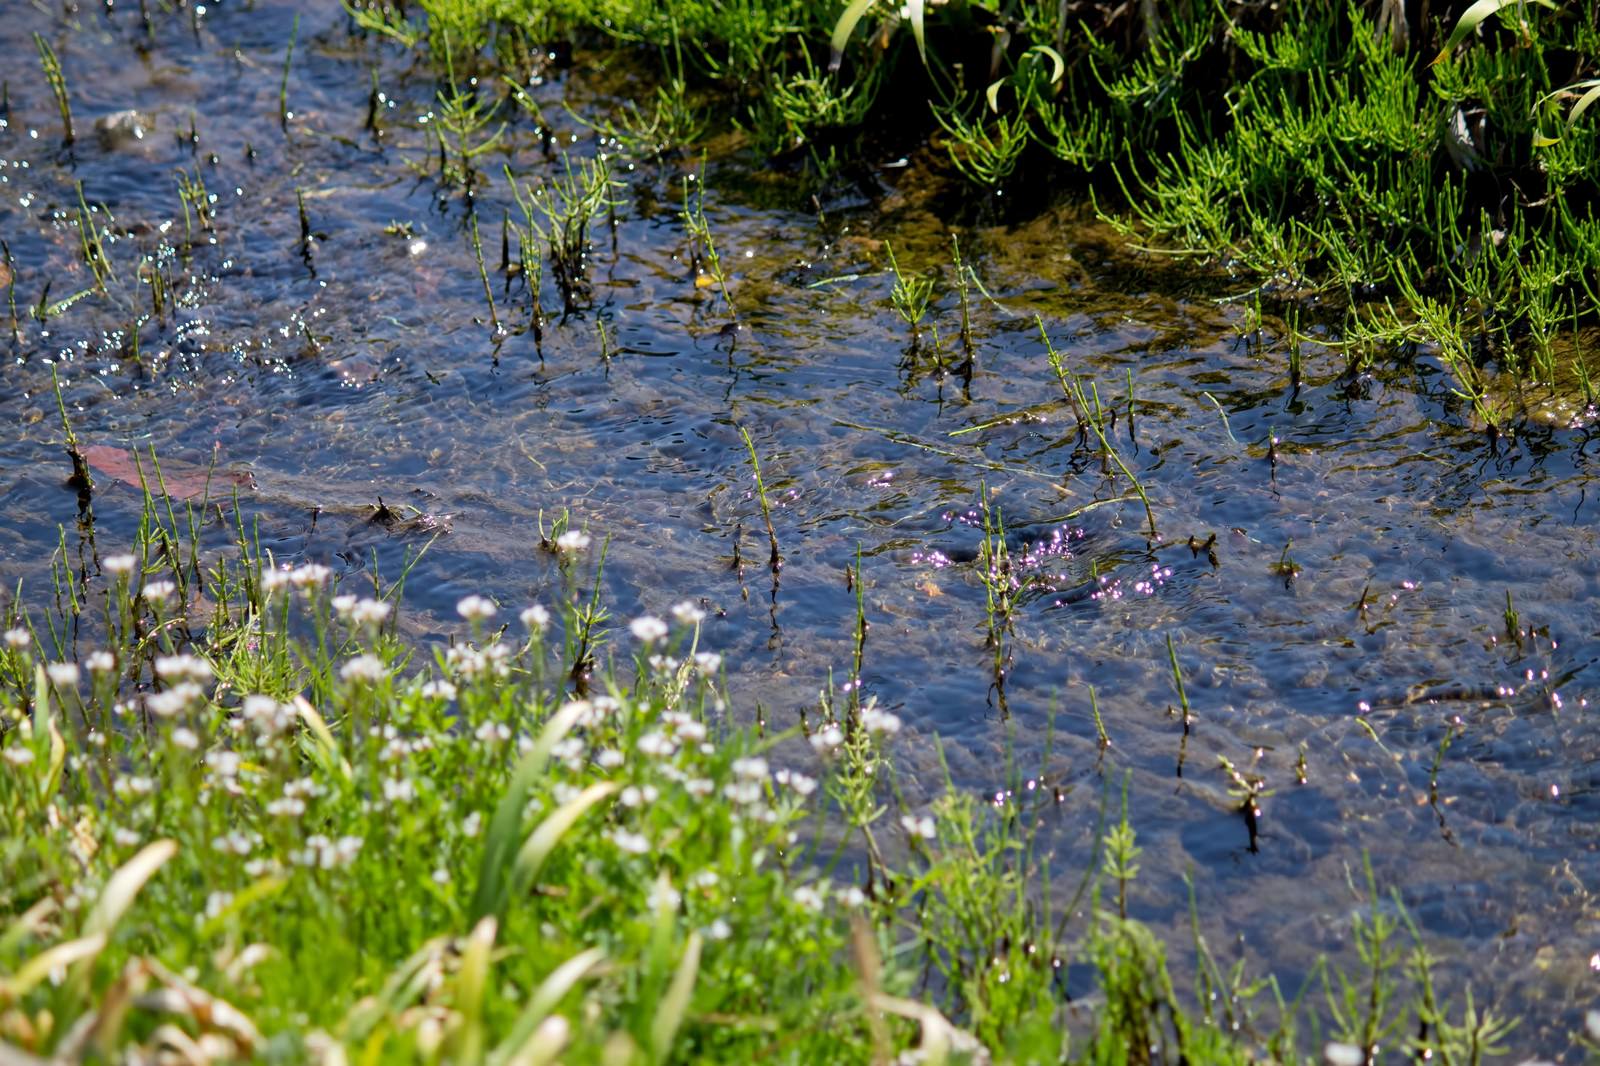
(1346, 619)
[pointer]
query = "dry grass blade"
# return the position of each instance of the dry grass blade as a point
(15, 1056)
(210, 1013)
(47, 962)
(125, 884)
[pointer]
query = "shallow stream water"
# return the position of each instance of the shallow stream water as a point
(1347, 619)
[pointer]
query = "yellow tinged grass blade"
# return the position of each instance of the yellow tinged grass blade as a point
(44, 713)
(125, 885)
(914, 8)
(118, 896)
(47, 962)
(471, 979)
(29, 923)
(843, 29)
(15, 1056)
(551, 991)
(546, 1043)
(543, 840)
(675, 1004)
(937, 1032)
(1473, 17)
(327, 747)
(1585, 101)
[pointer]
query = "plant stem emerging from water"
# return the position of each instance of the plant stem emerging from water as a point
(776, 561)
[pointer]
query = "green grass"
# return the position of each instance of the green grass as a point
(241, 819)
(1428, 184)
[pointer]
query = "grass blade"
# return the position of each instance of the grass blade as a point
(675, 1004)
(506, 826)
(543, 840)
(518, 1044)
(1473, 17)
(843, 29)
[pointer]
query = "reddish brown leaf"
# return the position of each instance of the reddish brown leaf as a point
(183, 481)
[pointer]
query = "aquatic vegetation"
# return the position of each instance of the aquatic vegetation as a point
(1307, 151)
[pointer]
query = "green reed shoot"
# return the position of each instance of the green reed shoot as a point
(1177, 680)
(283, 85)
(702, 245)
(483, 274)
(1086, 404)
(1101, 735)
(58, 85)
(910, 295)
(775, 560)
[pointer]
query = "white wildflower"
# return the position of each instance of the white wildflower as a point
(399, 790)
(629, 842)
(118, 565)
(535, 619)
(751, 768)
(476, 608)
(224, 763)
(471, 824)
(185, 738)
(802, 784)
(101, 662)
(343, 604)
(182, 668)
(156, 593)
(718, 930)
(123, 837)
(286, 807)
(366, 669)
(62, 675)
(370, 612)
(687, 613)
(173, 701)
(573, 540)
(309, 576)
(438, 690)
(657, 746)
(880, 723)
(647, 629)
(493, 733)
(609, 758)
(808, 897)
(441, 876)
(918, 826)
(569, 752)
(699, 787)
(18, 756)
(746, 792)
(663, 897)
(18, 639)
(827, 740)
(851, 897)
(707, 663)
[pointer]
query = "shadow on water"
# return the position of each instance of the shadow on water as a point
(300, 302)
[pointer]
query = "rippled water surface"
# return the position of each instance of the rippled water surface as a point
(1345, 621)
